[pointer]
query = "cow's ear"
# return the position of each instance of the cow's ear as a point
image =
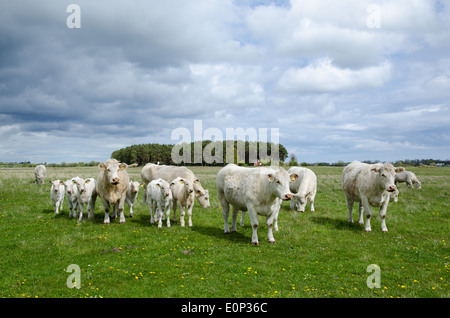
(87, 181)
(376, 170)
(142, 184)
(61, 182)
(399, 169)
(123, 166)
(181, 181)
(270, 177)
(102, 166)
(196, 181)
(50, 181)
(171, 184)
(293, 176)
(158, 185)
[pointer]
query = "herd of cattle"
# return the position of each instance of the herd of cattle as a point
(257, 191)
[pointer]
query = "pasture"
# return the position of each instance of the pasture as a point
(317, 254)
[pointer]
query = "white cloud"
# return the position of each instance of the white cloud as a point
(323, 76)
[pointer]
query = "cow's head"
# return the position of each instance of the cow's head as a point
(164, 187)
(298, 203)
(81, 184)
(386, 176)
(393, 196)
(69, 184)
(201, 194)
(56, 185)
(134, 186)
(111, 169)
(279, 181)
(188, 185)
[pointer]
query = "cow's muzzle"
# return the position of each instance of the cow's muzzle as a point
(287, 197)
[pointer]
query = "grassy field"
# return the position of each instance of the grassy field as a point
(316, 255)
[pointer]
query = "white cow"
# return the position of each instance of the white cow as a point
(132, 193)
(369, 185)
(71, 196)
(39, 174)
(409, 177)
(111, 186)
(57, 194)
(160, 194)
(183, 194)
(304, 188)
(87, 194)
(259, 191)
(151, 172)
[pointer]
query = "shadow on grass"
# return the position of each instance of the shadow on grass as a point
(216, 232)
(338, 224)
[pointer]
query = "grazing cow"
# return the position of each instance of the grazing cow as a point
(39, 174)
(112, 185)
(87, 194)
(160, 194)
(369, 185)
(259, 191)
(71, 196)
(304, 188)
(57, 194)
(183, 194)
(132, 193)
(151, 172)
(409, 177)
(393, 196)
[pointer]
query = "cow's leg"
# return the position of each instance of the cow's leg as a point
(182, 212)
(160, 213)
(92, 206)
(242, 218)
(168, 215)
(254, 222)
(189, 213)
(225, 212)
(234, 215)
(80, 215)
(361, 213)
(311, 200)
(174, 204)
(270, 222)
(150, 208)
(350, 203)
(367, 212)
(383, 210)
(106, 206)
(121, 208)
(130, 204)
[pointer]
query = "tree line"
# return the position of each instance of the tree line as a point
(243, 152)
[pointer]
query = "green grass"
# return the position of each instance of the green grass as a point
(316, 255)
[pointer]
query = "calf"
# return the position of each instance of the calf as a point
(151, 172)
(259, 191)
(71, 196)
(57, 194)
(304, 188)
(159, 192)
(183, 194)
(369, 185)
(409, 177)
(87, 194)
(132, 193)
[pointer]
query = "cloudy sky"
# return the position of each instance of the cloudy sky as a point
(341, 80)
